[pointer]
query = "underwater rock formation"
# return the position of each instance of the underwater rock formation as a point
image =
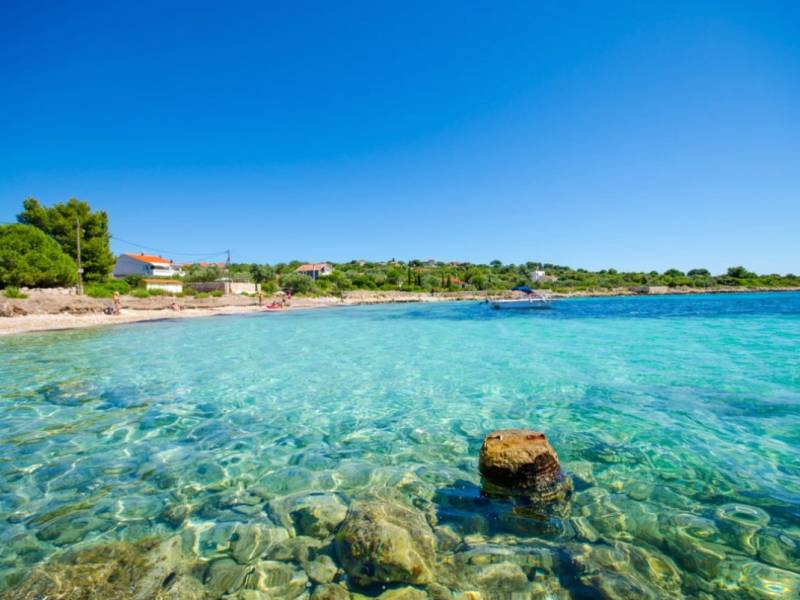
(383, 542)
(521, 461)
(121, 570)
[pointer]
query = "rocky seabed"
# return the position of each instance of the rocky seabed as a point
(415, 541)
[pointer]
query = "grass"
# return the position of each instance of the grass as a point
(106, 289)
(13, 292)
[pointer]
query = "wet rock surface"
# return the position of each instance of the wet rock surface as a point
(522, 461)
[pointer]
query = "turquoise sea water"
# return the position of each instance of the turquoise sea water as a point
(677, 417)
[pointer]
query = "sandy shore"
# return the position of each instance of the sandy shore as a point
(52, 312)
(44, 311)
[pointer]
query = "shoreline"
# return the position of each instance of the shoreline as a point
(73, 312)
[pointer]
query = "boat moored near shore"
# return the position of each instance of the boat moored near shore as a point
(524, 298)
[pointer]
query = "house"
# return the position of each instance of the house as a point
(315, 270)
(145, 265)
(171, 286)
(455, 281)
(542, 276)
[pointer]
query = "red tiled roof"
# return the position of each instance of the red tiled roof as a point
(312, 267)
(162, 280)
(148, 258)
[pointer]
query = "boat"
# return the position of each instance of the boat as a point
(524, 299)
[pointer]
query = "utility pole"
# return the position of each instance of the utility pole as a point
(78, 244)
(228, 283)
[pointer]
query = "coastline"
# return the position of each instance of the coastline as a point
(58, 312)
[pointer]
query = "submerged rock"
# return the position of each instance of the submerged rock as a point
(321, 570)
(522, 461)
(123, 571)
(250, 541)
(406, 593)
(330, 591)
(383, 542)
(224, 576)
(277, 579)
(315, 515)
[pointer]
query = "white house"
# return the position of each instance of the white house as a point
(541, 276)
(171, 286)
(315, 270)
(145, 265)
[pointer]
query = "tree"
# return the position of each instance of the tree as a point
(59, 222)
(29, 258)
(296, 283)
(740, 273)
(699, 273)
(261, 273)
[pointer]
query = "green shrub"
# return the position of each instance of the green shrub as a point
(134, 281)
(296, 283)
(202, 295)
(216, 294)
(106, 289)
(158, 292)
(28, 257)
(13, 292)
(140, 293)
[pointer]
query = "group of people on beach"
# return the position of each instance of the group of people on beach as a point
(283, 303)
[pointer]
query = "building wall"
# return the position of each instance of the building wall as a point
(171, 287)
(243, 287)
(226, 287)
(128, 266)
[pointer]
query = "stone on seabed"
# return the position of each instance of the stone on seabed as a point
(383, 542)
(523, 461)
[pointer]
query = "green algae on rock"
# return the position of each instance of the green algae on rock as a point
(385, 542)
(147, 570)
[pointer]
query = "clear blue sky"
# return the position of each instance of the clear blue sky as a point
(635, 135)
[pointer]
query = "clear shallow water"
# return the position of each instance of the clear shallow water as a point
(678, 418)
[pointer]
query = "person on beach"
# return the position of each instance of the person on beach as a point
(260, 297)
(117, 303)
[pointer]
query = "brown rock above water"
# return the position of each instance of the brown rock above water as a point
(523, 461)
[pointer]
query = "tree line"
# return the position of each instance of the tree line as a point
(41, 251)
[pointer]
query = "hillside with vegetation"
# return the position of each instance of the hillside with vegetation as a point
(41, 251)
(432, 276)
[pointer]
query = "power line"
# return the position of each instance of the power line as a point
(200, 254)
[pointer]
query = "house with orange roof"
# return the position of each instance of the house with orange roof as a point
(146, 265)
(315, 270)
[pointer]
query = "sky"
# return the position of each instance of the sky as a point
(632, 135)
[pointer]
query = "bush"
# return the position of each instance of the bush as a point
(216, 294)
(29, 257)
(295, 283)
(134, 281)
(202, 295)
(107, 288)
(158, 292)
(13, 292)
(140, 293)
(269, 287)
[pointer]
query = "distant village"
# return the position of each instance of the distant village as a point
(160, 273)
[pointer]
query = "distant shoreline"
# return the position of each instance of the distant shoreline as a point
(53, 312)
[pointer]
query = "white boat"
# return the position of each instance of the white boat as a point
(529, 300)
